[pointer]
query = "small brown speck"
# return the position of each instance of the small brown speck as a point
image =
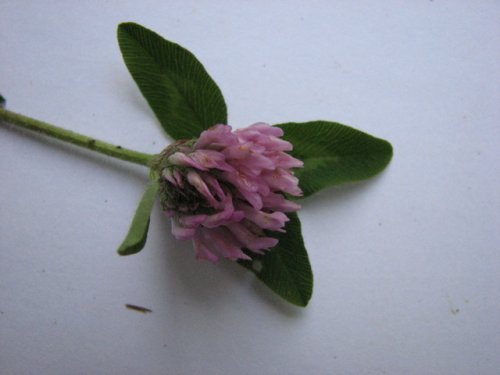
(141, 309)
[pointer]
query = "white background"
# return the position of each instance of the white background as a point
(406, 265)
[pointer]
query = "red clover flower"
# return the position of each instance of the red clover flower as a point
(227, 189)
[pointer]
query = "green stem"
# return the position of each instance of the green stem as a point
(93, 144)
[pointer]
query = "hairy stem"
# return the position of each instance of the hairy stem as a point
(90, 143)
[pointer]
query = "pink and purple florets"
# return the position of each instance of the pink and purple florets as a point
(227, 189)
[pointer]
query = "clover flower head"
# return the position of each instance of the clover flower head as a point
(226, 190)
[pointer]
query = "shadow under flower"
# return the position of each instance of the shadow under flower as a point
(212, 287)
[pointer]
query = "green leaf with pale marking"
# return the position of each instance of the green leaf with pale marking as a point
(334, 154)
(138, 231)
(285, 269)
(181, 93)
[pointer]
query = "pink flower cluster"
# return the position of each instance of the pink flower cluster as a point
(225, 190)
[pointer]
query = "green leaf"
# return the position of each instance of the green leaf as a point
(334, 154)
(138, 231)
(285, 268)
(175, 84)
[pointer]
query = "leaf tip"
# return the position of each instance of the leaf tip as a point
(126, 28)
(122, 251)
(124, 25)
(129, 249)
(389, 152)
(126, 249)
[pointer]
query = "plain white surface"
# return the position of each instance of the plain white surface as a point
(406, 265)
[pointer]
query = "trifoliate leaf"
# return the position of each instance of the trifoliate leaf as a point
(138, 231)
(181, 93)
(334, 153)
(285, 268)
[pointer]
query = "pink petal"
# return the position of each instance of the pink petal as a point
(195, 180)
(255, 199)
(273, 221)
(215, 187)
(250, 240)
(202, 251)
(220, 218)
(182, 160)
(222, 241)
(210, 159)
(192, 221)
(267, 129)
(241, 181)
(282, 180)
(180, 232)
(215, 138)
(277, 202)
(286, 161)
(168, 175)
(178, 179)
